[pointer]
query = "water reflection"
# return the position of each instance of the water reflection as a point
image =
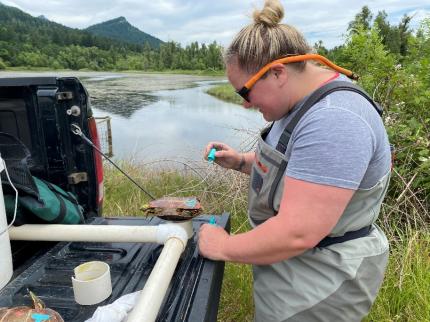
(102, 78)
(124, 103)
(171, 124)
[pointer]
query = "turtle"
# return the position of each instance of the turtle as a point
(173, 208)
(39, 312)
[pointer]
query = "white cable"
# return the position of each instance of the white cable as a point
(16, 199)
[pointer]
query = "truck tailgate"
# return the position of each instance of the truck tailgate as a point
(193, 294)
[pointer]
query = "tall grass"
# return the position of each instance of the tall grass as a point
(405, 293)
(405, 218)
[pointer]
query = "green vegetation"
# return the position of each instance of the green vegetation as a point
(226, 93)
(405, 294)
(30, 42)
(2, 64)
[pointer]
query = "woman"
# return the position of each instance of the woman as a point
(318, 178)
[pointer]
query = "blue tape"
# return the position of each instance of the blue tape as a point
(40, 317)
(191, 203)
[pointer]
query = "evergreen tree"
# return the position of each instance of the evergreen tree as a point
(363, 19)
(404, 34)
(320, 49)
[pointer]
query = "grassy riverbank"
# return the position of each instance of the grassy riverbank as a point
(226, 93)
(404, 295)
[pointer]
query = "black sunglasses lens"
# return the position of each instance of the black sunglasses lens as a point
(245, 97)
(244, 93)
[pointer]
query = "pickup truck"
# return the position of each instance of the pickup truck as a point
(40, 112)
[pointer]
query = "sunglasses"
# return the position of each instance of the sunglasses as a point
(244, 91)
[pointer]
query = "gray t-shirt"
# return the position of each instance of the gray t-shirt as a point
(341, 141)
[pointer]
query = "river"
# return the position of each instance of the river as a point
(169, 116)
(164, 116)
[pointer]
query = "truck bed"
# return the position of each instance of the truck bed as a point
(193, 294)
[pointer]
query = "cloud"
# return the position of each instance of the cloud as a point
(186, 21)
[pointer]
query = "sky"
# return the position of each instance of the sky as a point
(186, 21)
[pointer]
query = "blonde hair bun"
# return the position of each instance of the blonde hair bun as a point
(265, 40)
(271, 15)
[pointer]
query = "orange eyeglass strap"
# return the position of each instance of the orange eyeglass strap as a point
(295, 59)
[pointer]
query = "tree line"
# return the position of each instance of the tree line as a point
(26, 41)
(395, 38)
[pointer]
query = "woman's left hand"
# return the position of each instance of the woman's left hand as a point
(212, 241)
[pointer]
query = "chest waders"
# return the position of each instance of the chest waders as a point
(338, 279)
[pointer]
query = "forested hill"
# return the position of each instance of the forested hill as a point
(18, 26)
(27, 41)
(121, 29)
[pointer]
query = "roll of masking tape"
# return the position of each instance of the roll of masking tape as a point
(91, 283)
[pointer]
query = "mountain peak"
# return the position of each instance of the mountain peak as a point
(118, 20)
(120, 29)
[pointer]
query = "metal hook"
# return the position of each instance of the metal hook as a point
(76, 130)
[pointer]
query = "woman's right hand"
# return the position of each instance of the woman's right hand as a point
(225, 156)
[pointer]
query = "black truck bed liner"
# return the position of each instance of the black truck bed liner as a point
(193, 294)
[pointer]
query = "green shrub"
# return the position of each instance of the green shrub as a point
(2, 64)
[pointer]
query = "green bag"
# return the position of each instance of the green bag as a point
(53, 205)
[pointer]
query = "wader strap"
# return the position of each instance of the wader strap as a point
(266, 131)
(315, 97)
(279, 175)
(347, 236)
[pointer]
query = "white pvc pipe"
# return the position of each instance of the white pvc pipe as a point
(6, 267)
(173, 236)
(85, 233)
(151, 297)
(99, 233)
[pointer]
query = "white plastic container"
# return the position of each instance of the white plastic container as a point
(6, 269)
(92, 283)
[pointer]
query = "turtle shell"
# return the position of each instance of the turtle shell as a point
(25, 313)
(29, 314)
(174, 208)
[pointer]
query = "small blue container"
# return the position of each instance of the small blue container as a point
(211, 155)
